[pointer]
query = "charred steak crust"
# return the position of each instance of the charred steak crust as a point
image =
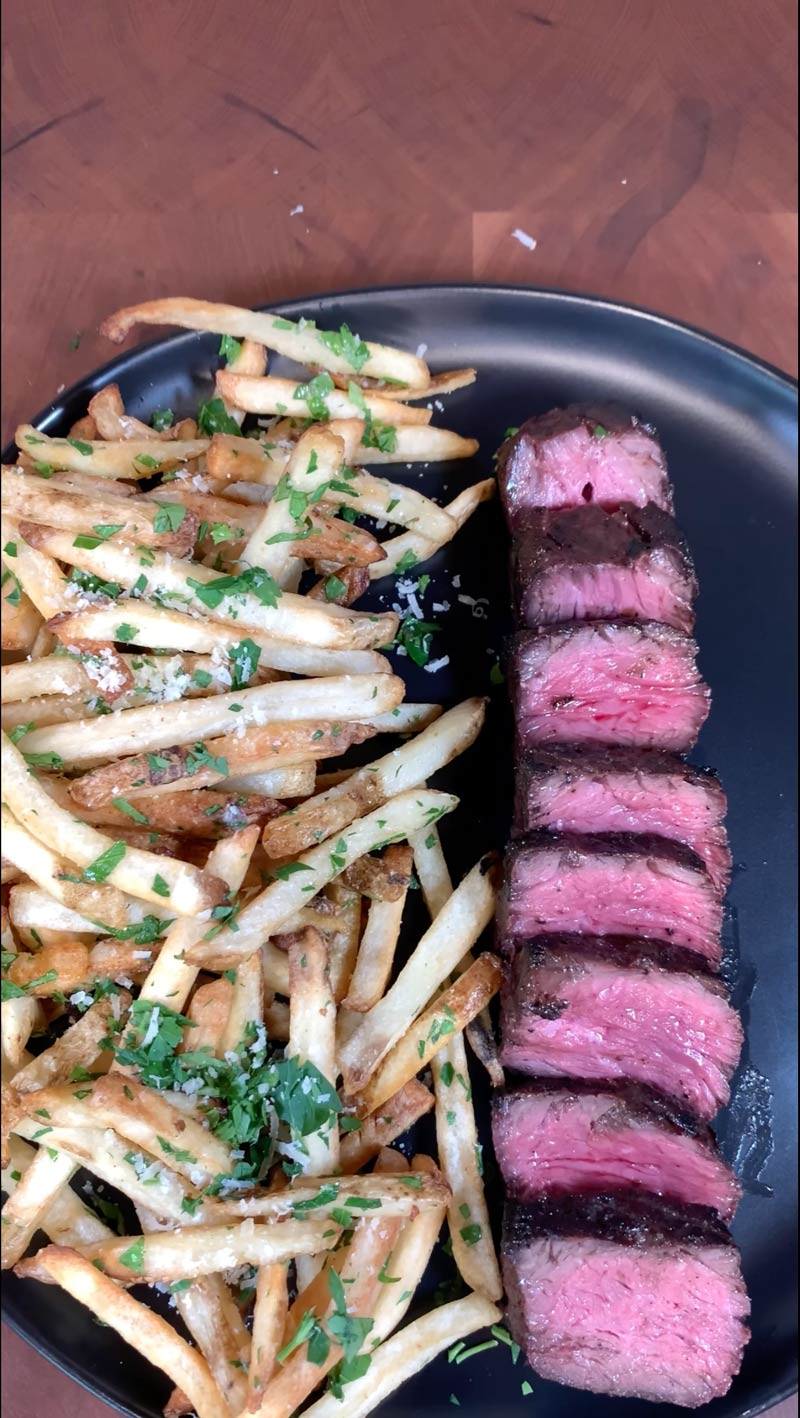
(628, 952)
(613, 758)
(592, 535)
(637, 1102)
(629, 1217)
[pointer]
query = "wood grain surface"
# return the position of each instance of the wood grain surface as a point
(152, 148)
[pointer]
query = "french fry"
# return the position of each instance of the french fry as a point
(198, 813)
(409, 1259)
(384, 878)
(312, 1035)
(172, 630)
(448, 1014)
(343, 942)
(204, 765)
(42, 581)
(245, 469)
(146, 1331)
(411, 1103)
(251, 358)
(60, 677)
(19, 1019)
(109, 1158)
(53, 969)
(402, 1356)
(323, 1196)
(368, 496)
(34, 909)
(282, 898)
(458, 925)
(298, 1377)
(166, 1256)
(457, 1143)
(269, 395)
(301, 342)
(368, 787)
(188, 890)
(69, 1222)
(111, 422)
(421, 545)
(23, 1212)
(144, 1118)
(246, 1007)
(379, 941)
(343, 587)
(100, 903)
(446, 382)
(212, 1317)
(269, 1319)
(139, 521)
(20, 621)
(155, 727)
(78, 1046)
(295, 780)
(231, 600)
(209, 1011)
(432, 870)
(273, 543)
(135, 458)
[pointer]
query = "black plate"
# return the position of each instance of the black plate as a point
(728, 425)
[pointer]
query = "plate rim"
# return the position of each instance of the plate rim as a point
(128, 358)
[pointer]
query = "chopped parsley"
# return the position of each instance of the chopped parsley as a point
(313, 393)
(334, 588)
(255, 581)
(244, 658)
(229, 348)
(161, 419)
(125, 633)
(414, 635)
(213, 417)
(169, 517)
(346, 345)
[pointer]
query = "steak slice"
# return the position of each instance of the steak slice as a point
(627, 1295)
(584, 453)
(615, 883)
(590, 563)
(576, 1136)
(576, 1007)
(608, 682)
(624, 790)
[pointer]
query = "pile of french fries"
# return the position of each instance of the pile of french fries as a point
(202, 911)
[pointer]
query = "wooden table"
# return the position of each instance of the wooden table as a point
(264, 150)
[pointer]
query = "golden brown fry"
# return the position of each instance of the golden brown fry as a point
(50, 872)
(68, 1221)
(448, 1014)
(444, 383)
(107, 413)
(422, 544)
(78, 1046)
(372, 785)
(135, 458)
(381, 934)
(246, 1005)
(138, 1325)
(343, 940)
(343, 586)
(20, 621)
(312, 1035)
(36, 572)
(457, 927)
(138, 521)
(380, 1129)
(384, 878)
(209, 1010)
(269, 1320)
(457, 1143)
(257, 748)
(301, 341)
(199, 813)
(409, 1351)
(212, 1318)
(269, 395)
(167, 1256)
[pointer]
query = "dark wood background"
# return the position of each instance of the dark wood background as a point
(159, 148)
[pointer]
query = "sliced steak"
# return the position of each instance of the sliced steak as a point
(624, 790)
(591, 453)
(615, 883)
(608, 682)
(589, 563)
(627, 1295)
(575, 1136)
(575, 1007)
